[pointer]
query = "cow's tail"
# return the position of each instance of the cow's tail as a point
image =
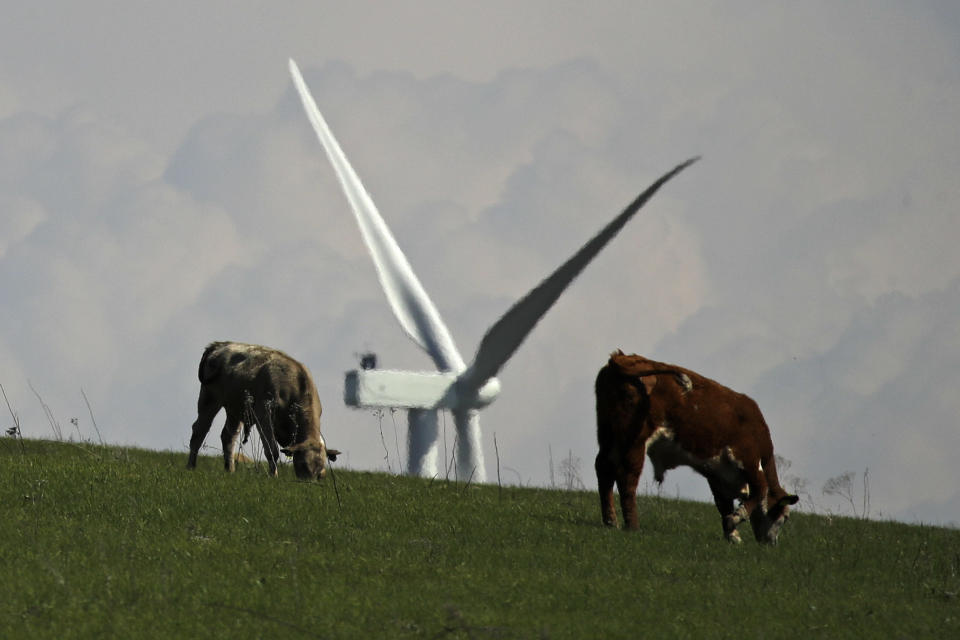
(683, 380)
(617, 364)
(208, 369)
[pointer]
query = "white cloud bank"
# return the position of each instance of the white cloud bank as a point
(807, 260)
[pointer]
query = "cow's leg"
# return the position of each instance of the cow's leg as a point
(606, 476)
(207, 408)
(753, 507)
(228, 438)
(628, 476)
(265, 427)
(729, 517)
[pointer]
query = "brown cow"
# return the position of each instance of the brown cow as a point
(678, 417)
(268, 387)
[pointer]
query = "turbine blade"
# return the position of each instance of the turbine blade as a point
(410, 303)
(505, 336)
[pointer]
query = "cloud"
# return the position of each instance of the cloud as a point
(881, 398)
(21, 217)
(99, 257)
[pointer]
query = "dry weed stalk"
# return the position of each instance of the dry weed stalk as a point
(15, 429)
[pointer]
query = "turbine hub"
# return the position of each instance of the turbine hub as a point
(488, 392)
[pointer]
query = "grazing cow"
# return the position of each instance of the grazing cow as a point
(678, 417)
(268, 387)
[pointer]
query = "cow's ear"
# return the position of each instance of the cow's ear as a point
(332, 455)
(788, 499)
(289, 451)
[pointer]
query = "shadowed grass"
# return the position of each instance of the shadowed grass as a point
(103, 541)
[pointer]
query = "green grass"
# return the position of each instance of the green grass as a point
(109, 542)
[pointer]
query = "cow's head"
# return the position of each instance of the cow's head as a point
(310, 458)
(767, 522)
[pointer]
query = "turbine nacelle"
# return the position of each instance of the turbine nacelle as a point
(385, 388)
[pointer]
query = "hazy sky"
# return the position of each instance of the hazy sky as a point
(160, 188)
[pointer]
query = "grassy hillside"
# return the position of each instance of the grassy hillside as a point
(111, 542)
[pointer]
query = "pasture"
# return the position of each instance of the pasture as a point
(114, 542)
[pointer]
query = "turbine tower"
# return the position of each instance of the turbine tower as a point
(462, 389)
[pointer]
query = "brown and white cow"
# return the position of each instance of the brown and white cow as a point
(678, 417)
(264, 386)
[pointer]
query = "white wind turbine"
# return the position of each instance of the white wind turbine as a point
(455, 386)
